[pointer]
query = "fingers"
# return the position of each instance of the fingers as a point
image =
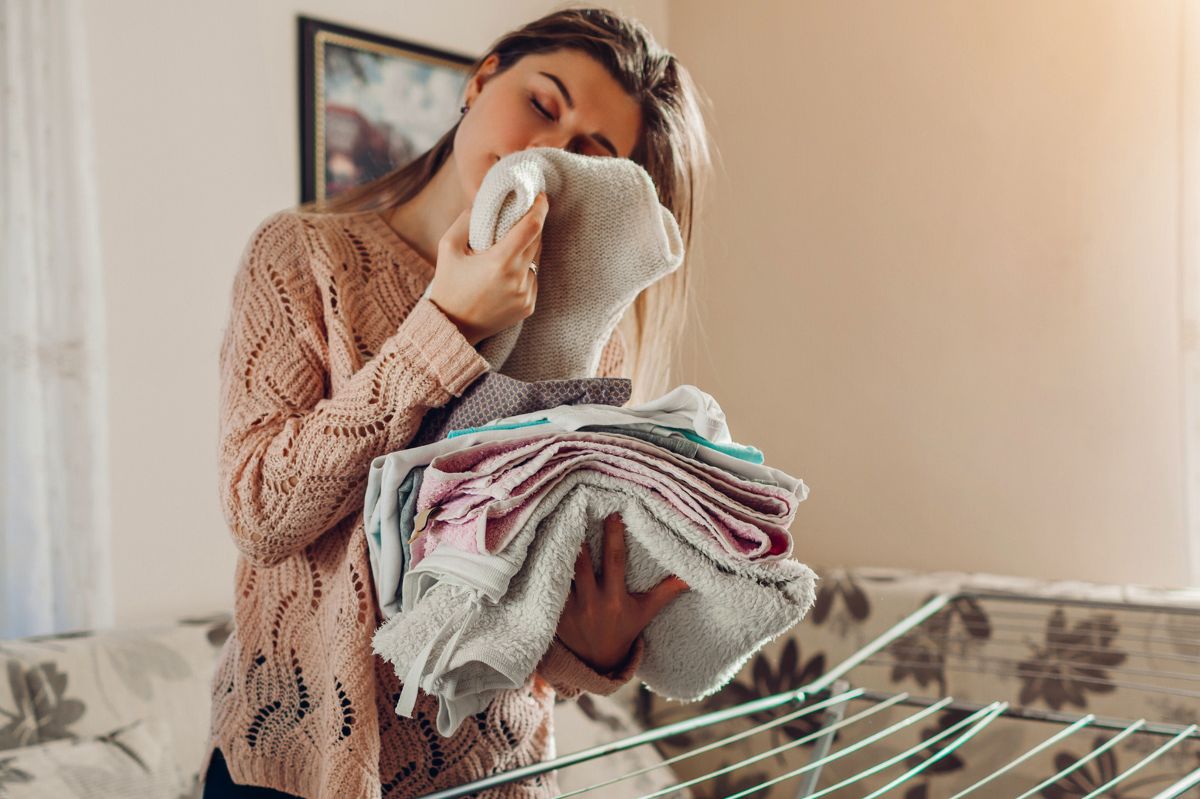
(531, 250)
(585, 574)
(532, 254)
(532, 290)
(613, 572)
(661, 595)
(458, 234)
(521, 241)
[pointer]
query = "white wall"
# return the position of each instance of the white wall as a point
(940, 269)
(197, 142)
(942, 275)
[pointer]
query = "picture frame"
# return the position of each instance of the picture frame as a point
(369, 103)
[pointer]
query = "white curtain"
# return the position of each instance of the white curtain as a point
(54, 499)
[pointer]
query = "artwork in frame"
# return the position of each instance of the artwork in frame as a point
(369, 104)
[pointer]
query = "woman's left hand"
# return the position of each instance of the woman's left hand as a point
(601, 619)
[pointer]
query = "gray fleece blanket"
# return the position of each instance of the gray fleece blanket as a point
(464, 648)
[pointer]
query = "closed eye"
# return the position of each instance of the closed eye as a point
(540, 109)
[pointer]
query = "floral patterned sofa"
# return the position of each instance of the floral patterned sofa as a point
(125, 712)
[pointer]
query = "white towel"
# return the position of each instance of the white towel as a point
(693, 646)
(605, 239)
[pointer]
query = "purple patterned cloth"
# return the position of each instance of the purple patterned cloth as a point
(497, 396)
(483, 494)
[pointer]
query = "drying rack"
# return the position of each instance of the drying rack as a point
(830, 700)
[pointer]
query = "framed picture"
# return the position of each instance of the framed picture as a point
(369, 104)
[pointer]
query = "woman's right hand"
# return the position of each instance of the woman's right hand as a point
(486, 292)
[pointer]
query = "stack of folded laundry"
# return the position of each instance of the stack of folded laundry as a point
(473, 540)
(474, 529)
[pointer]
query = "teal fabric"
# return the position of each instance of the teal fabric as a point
(463, 431)
(743, 452)
(740, 451)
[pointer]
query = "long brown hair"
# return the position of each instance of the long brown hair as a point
(672, 147)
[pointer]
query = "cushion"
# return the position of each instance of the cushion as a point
(86, 684)
(18, 721)
(130, 762)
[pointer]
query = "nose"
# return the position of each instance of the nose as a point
(562, 141)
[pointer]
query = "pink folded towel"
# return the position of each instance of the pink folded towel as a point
(480, 497)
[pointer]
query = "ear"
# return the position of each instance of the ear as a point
(481, 76)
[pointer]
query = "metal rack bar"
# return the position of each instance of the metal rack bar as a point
(1033, 714)
(1141, 763)
(993, 641)
(832, 716)
(1053, 739)
(1133, 686)
(649, 736)
(837, 701)
(1041, 630)
(816, 764)
(1126, 623)
(987, 719)
(873, 769)
(902, 627)
(832, 690)
(999, 596)
(1176, 675)
(1190, 781)
(1099, 750)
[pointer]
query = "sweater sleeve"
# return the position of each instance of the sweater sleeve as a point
(294, 455)
(570, 676)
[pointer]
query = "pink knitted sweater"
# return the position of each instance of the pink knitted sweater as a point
(330, 359)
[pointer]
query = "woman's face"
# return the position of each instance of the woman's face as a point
(564, 99)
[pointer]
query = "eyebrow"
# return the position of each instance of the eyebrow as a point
(600, 138)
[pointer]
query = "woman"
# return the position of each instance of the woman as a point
(331, 358)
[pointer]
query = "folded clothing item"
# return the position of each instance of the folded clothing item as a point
(668, 438)
(481, 646)
(740, 451)
(684, 407)
(388, 535)
(483, 494)
(392, 574)
(388, 509)
(606, 238)
(494, 395)
(382, 500)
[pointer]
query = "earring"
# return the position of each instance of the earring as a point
(463, 110)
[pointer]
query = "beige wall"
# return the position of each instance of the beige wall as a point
(941, 275)
(197, 142)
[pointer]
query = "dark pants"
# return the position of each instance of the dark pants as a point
(219, 785)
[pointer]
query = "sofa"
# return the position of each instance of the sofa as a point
(124, 712)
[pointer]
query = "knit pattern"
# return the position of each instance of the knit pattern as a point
(605, 239)
(331, 356)
(495, 396)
